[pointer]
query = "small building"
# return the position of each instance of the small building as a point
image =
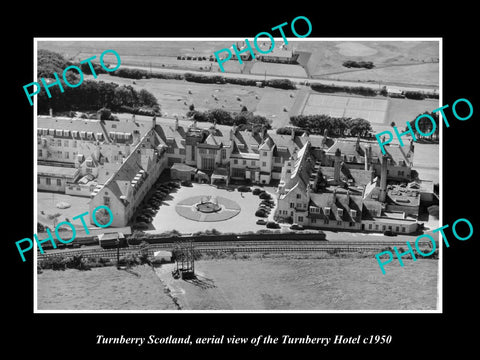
(162, 256)
(109, 240)
(55, 178)
(182, 172)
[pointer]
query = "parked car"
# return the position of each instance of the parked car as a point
(296, 227)
(265, 195)
(389, 233)
(186, 183)
(244, 188)
(261, 213)
(261, 222)
(257, 191)
(273, 225)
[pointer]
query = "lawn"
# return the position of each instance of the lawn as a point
(312, 282)
(102, 289)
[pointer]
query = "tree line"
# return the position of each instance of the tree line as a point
(245, 120)
(339, 126)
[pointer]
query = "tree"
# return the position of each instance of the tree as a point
(105, 114)
(146, 98)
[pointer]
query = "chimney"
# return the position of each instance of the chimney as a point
(50, 111)
(383, 180)
(233, 131)
(337, 165)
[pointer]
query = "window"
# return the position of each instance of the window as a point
(264, 153)
(299, 205)
(201, 151)
(40, 153)
(264, 163)
(351, 224)
(212, 151)
(106, 200)
(314, 221)
(182, 151)
(74, 144)
(253, 163)
(224, 153)
(403, 229)
(88, 170)
(288, 171)
(376, 227)
(235, 161)
(300, 219)
(339, 222)
(299, 196)
(384, 227)
(397, 229)
(65, 143)
(59, 182)
(48, 181)
(244, 162)
(292, 205)
(59, 142)
(67, 155)
(326, 221)
(170, 150)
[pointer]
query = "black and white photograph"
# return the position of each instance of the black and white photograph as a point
(250, 183)
(217, 178)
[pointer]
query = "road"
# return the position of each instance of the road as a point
(371, 85)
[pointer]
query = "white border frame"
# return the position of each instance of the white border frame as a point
(438, 310)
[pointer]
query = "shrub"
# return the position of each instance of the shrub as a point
(416, 95)
(265, 195)
(257, 191)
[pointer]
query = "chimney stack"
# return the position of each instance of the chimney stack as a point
(50, 111)
(383, 180)
(337, 165)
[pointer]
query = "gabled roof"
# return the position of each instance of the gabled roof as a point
(336, 201)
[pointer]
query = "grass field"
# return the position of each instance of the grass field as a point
(396, 61)
(46, 202)
(102, 289)
(249, 282)
(368, 108)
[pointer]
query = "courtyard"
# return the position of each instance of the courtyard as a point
(177, 211)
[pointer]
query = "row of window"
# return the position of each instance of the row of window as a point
(384, 227)
(48, 181)
(299, 205)
(252, 162)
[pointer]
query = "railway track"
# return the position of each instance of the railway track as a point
(244, 246)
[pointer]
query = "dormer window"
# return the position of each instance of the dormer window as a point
(327, 211)
(340, 212)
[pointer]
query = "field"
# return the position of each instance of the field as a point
(102, 289)
(398, 62)
(403, 62)
(253, 282)
(371, 109)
